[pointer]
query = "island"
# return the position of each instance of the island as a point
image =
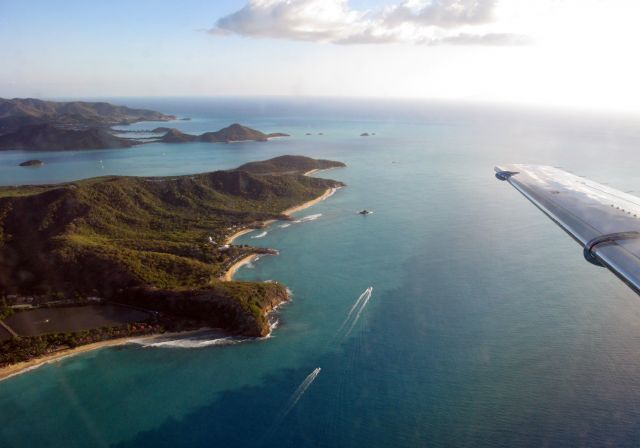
(18, 112)
(33, 163)
(141, 255)
(49, 125)
(53, 138)
(234, 133)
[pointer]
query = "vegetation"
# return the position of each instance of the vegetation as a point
(25, 348)
(288, 165)
(234, 133)
(152, 241)
(19, 112)
(51, 138)
(5, 310)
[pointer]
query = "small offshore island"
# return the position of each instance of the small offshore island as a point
(32, 163)
(141, 255)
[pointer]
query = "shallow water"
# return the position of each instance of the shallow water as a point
(484, 326)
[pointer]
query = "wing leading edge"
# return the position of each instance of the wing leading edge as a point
(603, 220)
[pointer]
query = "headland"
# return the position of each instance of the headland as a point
(151, 244)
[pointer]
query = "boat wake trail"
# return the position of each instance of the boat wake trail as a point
(260, 235)
(295, 397)
(356, 311)
(356, 305)
(302, 388)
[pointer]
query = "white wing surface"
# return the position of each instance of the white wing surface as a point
(605, 221)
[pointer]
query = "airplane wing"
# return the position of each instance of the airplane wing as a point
(603, 220)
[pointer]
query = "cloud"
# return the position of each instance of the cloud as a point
(442, 13)
(494, 39)
(432, 22)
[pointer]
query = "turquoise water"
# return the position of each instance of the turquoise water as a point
(485, 327)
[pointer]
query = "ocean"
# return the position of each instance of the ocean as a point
(456, 314)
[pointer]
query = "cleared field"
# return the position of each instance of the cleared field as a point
(72, 319)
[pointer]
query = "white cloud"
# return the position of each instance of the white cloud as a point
(462, 22)
(442, 13)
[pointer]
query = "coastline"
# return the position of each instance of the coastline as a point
(328, 193)
(26, 366)
(230, 239)
(228, 275)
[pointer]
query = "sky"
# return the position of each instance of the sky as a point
(567, 53)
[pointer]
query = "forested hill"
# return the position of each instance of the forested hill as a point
(18, 112)
(234, 133)
(289, 165)
(51, 138)
(106, 236)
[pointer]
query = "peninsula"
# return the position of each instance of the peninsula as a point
(48, 125)
(156, 245)
(19, 112)
(234, 133)
(50, 137)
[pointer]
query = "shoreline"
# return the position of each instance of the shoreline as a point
(26, 366)
(230, 239)
(13, 370)
(327, 194)
(229, 273)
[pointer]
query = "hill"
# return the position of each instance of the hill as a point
(18, 112)
(234, 133)
(289, 164)
(154, 242)
(176, 136)
(49, 137)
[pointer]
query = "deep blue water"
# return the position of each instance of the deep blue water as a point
(485, 326)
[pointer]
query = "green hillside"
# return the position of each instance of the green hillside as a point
(144, 240)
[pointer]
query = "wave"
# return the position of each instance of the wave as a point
(284, 226)
(308, 218)
(251, 264)
(200, 339)
(194, 343)
(331, 193)
(260, 235)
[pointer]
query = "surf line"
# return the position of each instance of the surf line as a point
(356, 311)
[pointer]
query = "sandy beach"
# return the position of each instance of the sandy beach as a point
(22, 367)
(328, 193)
(26, 366)
(228, 275)
(297, 208)
(239, 233)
